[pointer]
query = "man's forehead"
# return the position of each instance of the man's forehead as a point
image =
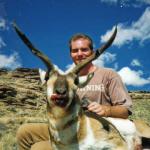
(80, 41)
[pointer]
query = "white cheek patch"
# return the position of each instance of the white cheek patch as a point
(50, 85)
(42, 76)
(49, 91)
(71, 90)
(70, 98)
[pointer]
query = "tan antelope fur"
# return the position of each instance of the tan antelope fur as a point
(70, 127)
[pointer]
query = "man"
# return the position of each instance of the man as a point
(108, 96)
(111, 99)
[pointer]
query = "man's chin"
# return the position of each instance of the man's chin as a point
(79, 61)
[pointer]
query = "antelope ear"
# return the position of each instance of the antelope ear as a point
(42, 76)
(84, 80)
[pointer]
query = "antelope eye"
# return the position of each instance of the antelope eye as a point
(76, 81)
(46, 76)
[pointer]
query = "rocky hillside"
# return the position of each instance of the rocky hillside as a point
(23, 99)
(21, 87)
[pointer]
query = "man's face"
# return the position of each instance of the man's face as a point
(80, 50)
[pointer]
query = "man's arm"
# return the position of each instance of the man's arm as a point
(109, 111)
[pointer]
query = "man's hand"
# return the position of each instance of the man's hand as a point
(108, 111)
(102, 110)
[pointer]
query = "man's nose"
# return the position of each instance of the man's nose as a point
(80, 52)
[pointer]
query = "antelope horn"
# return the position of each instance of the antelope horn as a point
(35, 51)
(96, 54)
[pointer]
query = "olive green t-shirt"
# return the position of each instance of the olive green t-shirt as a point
(107, 88)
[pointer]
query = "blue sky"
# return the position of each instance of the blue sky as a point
(50, 23)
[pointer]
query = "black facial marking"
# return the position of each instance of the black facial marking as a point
(61, 85)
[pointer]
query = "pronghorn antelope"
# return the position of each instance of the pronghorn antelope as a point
(70, 127)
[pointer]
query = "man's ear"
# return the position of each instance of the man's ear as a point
(42, 74)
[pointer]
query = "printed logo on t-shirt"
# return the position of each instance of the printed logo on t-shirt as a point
(93, 87)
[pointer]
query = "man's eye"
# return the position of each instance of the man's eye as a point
(74, 50)
(81, 49)
(84, 49)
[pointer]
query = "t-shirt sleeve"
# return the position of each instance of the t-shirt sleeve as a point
(118, 93)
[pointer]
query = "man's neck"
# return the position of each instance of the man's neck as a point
(89, 68)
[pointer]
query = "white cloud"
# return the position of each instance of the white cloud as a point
(136, 62)
(2, 43)
(132, 77)
(3, 25)
(144, 1)
(115, 66)
(109, 1)
(100, 62)
(129, 77)
(127, 3)
(104, 59)
(11, 61)
(139, 30)
(70, 67)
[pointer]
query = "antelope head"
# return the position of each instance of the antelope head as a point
(61, 88)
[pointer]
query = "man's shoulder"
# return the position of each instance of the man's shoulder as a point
(106, 71)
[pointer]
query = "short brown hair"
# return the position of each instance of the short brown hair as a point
(81, 36)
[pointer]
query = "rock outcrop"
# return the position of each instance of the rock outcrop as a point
(21, 87)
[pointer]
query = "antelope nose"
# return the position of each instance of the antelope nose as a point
(61, 91)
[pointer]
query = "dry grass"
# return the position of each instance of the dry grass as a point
(10, 120)
(11, 117)
(141, 109)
